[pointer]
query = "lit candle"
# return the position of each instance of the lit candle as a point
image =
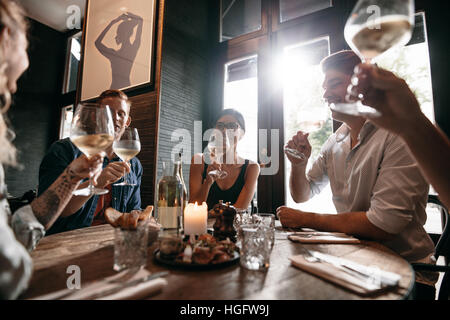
(195, 219)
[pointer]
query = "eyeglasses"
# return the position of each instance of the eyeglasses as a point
(227, 125)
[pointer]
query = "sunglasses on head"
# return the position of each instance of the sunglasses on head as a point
(227, 125)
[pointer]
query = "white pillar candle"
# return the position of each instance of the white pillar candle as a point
(195, 219)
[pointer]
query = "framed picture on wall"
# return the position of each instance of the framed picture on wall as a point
(119, 37)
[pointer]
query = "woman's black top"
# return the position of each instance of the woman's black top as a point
(230, 195)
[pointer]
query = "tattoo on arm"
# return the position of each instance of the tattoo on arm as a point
(48, 207)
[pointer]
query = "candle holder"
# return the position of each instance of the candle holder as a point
(224, 224)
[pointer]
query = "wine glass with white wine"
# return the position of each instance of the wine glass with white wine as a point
(127, 147)
(374, 28)
(92, 132)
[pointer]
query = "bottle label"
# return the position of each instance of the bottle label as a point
(168, 217)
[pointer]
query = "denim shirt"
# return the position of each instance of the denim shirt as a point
(124, 198)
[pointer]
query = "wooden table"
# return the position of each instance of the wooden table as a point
(92, 250)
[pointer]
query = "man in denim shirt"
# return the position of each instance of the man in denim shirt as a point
(86, 211)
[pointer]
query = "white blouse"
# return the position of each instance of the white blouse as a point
(19, 234)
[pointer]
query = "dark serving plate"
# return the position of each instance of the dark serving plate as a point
(194, 266)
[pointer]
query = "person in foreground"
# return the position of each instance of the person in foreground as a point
(20, 232)
(238, 187)
(84, 211)
(378, 189)
(401, 115)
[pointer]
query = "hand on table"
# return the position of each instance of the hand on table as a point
(290, 218)
(112, 173)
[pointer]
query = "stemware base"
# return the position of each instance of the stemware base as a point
(124, 184)
(355, 109)
(90, 191)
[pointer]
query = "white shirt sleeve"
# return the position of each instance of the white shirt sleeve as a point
(16, 265)
(318, 174)
(27, 228)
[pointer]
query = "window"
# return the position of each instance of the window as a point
(72, 62)
(66, 121)
(239, 17)
(304, 109)
(291, 9)
(412, 63)
(241, 93)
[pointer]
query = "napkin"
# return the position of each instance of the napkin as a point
(139, 291)
(337, 276)
(322, 237)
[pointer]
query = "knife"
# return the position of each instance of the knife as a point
(116, 289)
(385, 277)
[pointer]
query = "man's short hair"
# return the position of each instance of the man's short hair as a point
(112, 93)
(344, 61)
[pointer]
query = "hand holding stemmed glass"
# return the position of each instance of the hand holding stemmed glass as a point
(127, 147)
(218, 146)
(298, 148)
(373, 28)
(92, 132)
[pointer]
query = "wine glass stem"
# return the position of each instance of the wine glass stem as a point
(91, 184)
(125, 176)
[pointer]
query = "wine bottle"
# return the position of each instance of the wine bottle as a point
(170, 199)
(185, 194)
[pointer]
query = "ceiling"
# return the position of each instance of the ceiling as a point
(52, 12)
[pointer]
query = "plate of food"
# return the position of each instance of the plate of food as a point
(206, 253)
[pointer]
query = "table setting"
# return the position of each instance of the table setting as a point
(147, 261)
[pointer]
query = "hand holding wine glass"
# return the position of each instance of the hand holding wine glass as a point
(298, 149)
(373, 28)
(127, 147)
(92, 132)
(218, 145)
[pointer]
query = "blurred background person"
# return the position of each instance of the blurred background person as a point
(239, 184)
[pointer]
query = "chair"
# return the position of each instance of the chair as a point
(442, 249)
(17, 203)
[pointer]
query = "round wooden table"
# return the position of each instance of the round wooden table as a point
(92, 250)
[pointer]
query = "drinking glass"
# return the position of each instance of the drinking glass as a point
(218, 145)
(255, 251)
(266, 222)
(130, 247)
(92, 132)
(373, 28)
(127, 147)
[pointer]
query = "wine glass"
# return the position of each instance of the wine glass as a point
(127, 147)
(92, 132)
(373, 28)
(218, 145)
(312, 120)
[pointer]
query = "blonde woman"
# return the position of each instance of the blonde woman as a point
(21, 232)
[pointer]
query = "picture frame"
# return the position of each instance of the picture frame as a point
(118, 46)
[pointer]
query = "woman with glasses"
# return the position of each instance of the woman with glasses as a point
(239, 182)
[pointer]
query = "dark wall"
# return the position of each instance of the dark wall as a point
(35, 111)
(187, 42)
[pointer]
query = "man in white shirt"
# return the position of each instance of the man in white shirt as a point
(378, 189)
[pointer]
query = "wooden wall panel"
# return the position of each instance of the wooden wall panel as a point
(144, 118)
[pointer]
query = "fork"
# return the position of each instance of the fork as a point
(371, 281)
